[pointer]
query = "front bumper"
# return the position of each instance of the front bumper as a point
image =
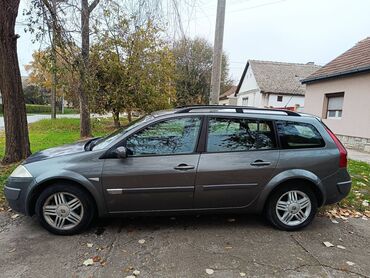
(16, 191)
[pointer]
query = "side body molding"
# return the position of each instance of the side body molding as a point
(286, 176)
(91, 185)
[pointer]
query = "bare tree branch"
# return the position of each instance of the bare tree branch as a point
(93, 5)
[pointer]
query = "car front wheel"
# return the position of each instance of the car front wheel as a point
(64, 209)
(292, 207)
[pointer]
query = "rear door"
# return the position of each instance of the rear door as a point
(240, 157)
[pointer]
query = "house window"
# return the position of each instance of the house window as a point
(335, 105)
(245, 101)
(279, 98)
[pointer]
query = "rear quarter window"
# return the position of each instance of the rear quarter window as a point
(296, 135)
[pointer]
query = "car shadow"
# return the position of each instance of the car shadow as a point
(179, 222)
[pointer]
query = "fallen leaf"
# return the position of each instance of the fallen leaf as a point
(89, 245)
(131, 276)
(173, 218)
(365, 203)
(364, 218)
(242, 274)
(210, 271)
(11, 250)
(328, 244)
(231, 220)
(350, 263)
(96, 259)
(334, 221)
(141, 241)
(88, 262)
(341, 247)
(136, 272)
(228, 247)
(14, 216)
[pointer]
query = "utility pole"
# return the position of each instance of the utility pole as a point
(217, 53)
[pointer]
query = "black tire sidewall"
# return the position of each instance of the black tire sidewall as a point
(85, 199)
(271, 206)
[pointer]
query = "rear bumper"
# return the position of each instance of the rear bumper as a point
(337, 186)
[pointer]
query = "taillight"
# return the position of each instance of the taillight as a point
(342, 150)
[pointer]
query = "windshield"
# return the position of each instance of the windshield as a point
(102, 143)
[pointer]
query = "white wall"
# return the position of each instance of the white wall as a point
(288, 101)
(249, 82)
(249, 89)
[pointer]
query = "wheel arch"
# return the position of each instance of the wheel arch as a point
(90, 189)
(289, 177)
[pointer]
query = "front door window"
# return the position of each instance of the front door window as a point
(174, 136)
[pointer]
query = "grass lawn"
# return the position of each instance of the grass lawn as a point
(49, 133)
(360, 173)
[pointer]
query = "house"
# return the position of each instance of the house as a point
(227, 98)
(339, 93)
(273, 84)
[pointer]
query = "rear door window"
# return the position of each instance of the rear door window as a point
(295, 135)
(238, 134)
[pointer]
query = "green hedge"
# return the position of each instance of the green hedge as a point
(43, 109)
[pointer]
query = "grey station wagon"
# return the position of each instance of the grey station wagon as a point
(190, 160)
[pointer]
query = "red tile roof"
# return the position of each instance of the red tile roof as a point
(356, 59)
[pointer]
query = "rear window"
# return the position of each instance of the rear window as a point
(294, 135)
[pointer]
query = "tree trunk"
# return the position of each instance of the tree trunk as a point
(54, 66)
(129, 115)
(85, 128)
(117, 124)
(17, 145)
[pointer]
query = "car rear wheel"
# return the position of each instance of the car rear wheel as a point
(291, 207)
(64, 209)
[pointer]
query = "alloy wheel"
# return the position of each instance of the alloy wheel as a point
(63, 211)
(293, 207)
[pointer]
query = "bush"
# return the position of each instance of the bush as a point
(44, 109)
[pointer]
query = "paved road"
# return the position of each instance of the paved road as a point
(36, 117)
(185, 247)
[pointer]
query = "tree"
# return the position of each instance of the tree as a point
(17, 145)
(86, 10)
(60, 17)
(43, 70)
(134, 70)
(35, 95)
(193, 58)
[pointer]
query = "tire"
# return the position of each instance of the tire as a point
(303, 210)
(64, 201)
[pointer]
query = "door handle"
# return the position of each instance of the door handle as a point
(184, 167)
(260, 163)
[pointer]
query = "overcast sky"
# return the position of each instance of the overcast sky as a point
(286, 31)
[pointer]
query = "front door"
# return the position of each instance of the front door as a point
(241, 155)
(160, 171)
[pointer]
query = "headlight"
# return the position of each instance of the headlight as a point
(21, 172)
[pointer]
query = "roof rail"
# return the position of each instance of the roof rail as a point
(238, 109)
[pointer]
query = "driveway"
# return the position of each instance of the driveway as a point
(228, 246)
